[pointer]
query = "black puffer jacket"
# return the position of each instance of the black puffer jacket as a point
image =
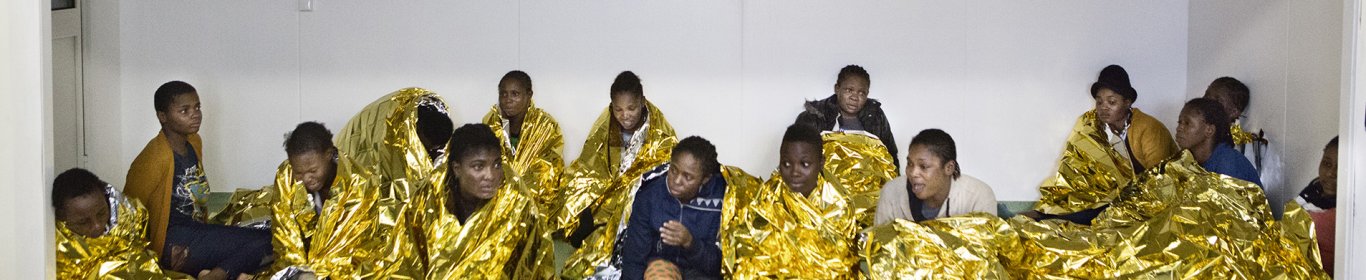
(822, 114)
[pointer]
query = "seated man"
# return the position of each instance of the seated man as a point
(1203, 129)
(531, 138)
(940, 189)
(484, 226)
(627, 140)
(325, 212)
(675, 217)
(169, 176)
(1235, 96)
(850, 109)
(100, 234)
(1320, 198)
(799, 224)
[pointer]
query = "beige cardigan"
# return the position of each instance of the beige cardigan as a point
(966, 195)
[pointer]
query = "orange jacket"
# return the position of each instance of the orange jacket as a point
(149, 180)
(1149, 141)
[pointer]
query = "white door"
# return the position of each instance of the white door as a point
(68, 125)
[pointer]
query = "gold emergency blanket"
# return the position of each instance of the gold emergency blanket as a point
(774, 232)
(338, 242)
(1090, 173)
(504, 239)
(383, 138)
(596, 183)
(250, 208)
(121, 253)
(963, 247)
(1177, 221)
(862, 165)
(1240, 136)
(537, 159)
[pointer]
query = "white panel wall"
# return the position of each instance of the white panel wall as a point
(26, 151)
(1289, 53)
(1006, 79)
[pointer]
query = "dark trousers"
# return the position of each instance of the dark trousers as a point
(1082, 217)
(205, 247)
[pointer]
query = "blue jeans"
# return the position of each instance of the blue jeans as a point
(205, 247)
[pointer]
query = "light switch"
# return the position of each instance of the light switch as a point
(305, 5)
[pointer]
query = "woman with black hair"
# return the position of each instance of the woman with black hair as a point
(1203, 129)
(935, 184)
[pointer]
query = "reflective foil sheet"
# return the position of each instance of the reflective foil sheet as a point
(593, 182)
(248, 208)
(383, 138)
(1241, 137)
(121, 253)
(963, 247)
(339, 242)
(773, 232)
(1177, 221)
(504, 239)
(537, 159)
(1090, 174)
(863, 166)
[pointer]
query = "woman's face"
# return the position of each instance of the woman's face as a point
(851, 93)
(1328, 171)
(87, 215)
(479, 174)
(314, 168)
(800, 164)
(1112, 108)
(627, 108)
(1192, 130)
(513, 98)
(928, 175)
(183, 115)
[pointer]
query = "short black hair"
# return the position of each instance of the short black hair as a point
(74, 183)
(805, 134)
(1213, 113)
(519, 77)
(473, 138)
(942, 145)
(308, 137)
(167, 92)
(1116, 79)
(1332, 144)
(1234, 89)
(627, 82)
(852, 71)
(433, 125)
(703, 150)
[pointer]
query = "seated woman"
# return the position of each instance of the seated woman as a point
(402, 139)
(325, 211)
(1320, 198)
(850, 109)
(672, 233)
(169, 176)
(100, 233)
(799, 224)
(484, 226)
(628, 139)
(940, 189)
(1203, 129)
(531, 138)
(1114, 139)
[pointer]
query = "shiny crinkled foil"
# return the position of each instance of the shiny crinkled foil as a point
(863, 166)
(121, 253)
(594, 183)
(774, 232)
(339, 241)
(249, 208)
(1090, 173)
(537, 159)
(507, 238)
(1241, 137)
(382, 138)
(1177, 221)
(963, 247)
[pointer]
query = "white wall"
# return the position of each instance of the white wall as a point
(1007, 79)
(1289, 53)
(25, 155)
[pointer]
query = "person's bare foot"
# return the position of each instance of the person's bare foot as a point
(215, 274)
